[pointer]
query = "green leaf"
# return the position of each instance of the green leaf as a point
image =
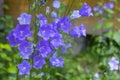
(116, 37)
(97, 26)
(109, 11)
(12, 69)
(5, 7)
(108, 25)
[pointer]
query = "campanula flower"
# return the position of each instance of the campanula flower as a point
(46, 31)
(25, 49)
(82, 30)
(75, 32)
(101, 11)
(38, 62)
(96, 8)
(57, 62)
(85, 10)
(113, 63)
(24, 68)
(56, 4)
(75, 14)
(53, 14)
(47, 9)
(109, 5)
(56, 41)
(24, 18)
(44, 48)
(64, 47)
(64, 24)
(22, 32)
(12, 39)
(78, 31)
(42, 19)
(96, 75)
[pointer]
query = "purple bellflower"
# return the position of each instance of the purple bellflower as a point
(82, 30)
(85, 10)
(53, 14)
(113, 63)
(96, 8)
(96, 75)
(24, 18)
(42, 20)
(56, 4)
(24, 68)
(57, 62)
(64, 24)
(46, 31)
(56, 41)
(38, 62)
(25, 49)
(101, 11)
(12, 39)
(109, 5)
(78, 31)
(22, 31)
(44, 48)
(64, 47)
(75, 14)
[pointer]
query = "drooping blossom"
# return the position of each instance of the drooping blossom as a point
(24, 18)
(24, 68)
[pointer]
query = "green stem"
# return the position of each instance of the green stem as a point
(69, 7)
(17, 76)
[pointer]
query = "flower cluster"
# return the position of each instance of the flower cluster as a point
(100, 10)
(50, 39)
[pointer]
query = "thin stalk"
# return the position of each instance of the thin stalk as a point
(69, 7)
